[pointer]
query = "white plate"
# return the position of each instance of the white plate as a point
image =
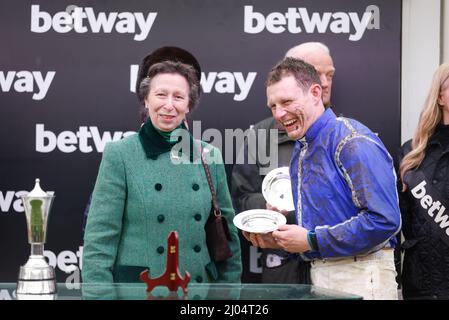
(277, 189)
(259, 220)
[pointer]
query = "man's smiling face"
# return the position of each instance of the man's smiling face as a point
(295, 109)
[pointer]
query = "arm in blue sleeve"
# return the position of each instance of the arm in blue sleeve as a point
(369, 173)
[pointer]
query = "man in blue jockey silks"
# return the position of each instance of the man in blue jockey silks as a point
(344, 189)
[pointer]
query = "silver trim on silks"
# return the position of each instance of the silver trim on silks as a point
(277, 189)
(300, 159)
(302, 154)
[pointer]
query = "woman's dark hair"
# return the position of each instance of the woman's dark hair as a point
(171, 67)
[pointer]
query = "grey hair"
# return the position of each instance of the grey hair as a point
(303, 49)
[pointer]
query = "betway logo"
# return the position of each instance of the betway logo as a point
(419, 192)
(27, 81)
(81, 20)
(84, 140)
(224, 82)
(295, 20)
(67, 261)
(12, 198)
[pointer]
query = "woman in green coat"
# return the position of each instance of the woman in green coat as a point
(146, 188)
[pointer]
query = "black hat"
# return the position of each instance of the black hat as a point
(164, 54)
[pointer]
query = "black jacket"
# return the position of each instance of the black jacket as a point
(246, 190)
(247, 179)
(425, 272)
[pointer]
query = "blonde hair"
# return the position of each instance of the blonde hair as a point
(430, 117)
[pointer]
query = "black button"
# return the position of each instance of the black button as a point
(197, 217)
(160, 250)
(196, 187)
(161, 218)
(158, 186)
(197, 248)
(199, 279)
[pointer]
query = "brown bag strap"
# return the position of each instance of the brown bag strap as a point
(217, 211)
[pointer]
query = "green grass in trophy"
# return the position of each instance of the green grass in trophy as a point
(37, 222)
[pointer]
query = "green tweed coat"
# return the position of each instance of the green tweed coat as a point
(138, 201)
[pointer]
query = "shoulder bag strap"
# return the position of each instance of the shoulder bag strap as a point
(217, 211)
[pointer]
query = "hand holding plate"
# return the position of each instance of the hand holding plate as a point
(292, 238)
(273, 208)
(261, 240)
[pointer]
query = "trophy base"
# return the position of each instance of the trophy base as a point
(21, 296)
(36, 279)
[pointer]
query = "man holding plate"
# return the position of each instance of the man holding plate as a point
(279, 266)
(344, 190)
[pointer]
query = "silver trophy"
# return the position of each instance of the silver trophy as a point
(37, 278)
(277, 190)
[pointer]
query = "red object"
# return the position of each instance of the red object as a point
(171, 278)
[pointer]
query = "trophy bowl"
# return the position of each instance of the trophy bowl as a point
(277, 189)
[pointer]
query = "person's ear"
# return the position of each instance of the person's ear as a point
(316, 91)
(440, 99)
